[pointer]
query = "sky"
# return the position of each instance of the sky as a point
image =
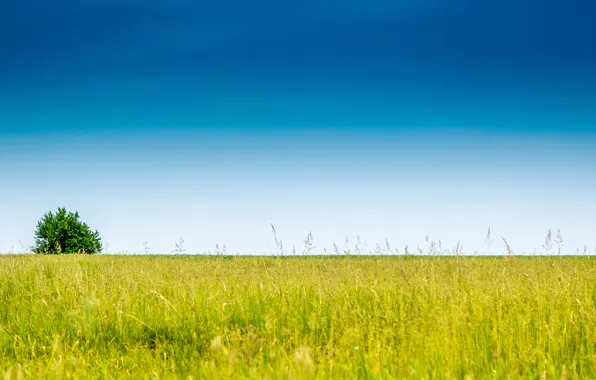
(370, 120)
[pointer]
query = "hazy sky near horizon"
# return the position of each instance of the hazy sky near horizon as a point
(385, 119)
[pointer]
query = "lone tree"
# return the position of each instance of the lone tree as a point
(63, 232)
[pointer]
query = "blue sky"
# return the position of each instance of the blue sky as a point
(210, 120)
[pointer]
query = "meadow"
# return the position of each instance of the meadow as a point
(190, 317)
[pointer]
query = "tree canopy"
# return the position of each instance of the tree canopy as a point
(63, 233)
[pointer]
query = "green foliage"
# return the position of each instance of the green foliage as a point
(63, 232)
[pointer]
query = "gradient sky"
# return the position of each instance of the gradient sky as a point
(386, 119)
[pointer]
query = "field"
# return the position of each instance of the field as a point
(297, 317)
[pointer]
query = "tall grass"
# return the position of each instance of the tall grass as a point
(297, 317)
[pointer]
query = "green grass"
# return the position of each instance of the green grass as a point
(299, 317)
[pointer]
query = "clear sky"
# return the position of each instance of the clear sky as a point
(385, 119)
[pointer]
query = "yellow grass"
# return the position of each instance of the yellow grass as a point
(299, 317)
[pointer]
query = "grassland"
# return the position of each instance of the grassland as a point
(299, 317)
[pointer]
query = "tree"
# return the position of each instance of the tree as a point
(63, 232)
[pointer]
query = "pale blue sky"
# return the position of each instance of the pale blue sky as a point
(449, 184)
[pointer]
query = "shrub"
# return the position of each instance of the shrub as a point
(63, 232)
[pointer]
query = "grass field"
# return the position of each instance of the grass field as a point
(297, 317)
